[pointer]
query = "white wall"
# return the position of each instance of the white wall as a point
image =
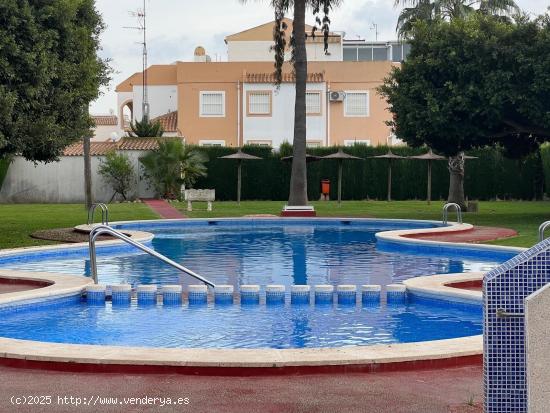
(316, 52)
(280, 125)
(103, 132)
(162, 99)
(259, 51)
(537, 349)
(63, 181)
(249, 51)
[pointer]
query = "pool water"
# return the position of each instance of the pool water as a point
(263, 253)
(240, 326)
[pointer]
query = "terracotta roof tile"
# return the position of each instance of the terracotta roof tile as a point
(96, 148)
(105, 120)
(169, 121)
(125, 144)
(287, 77)
(138, 144)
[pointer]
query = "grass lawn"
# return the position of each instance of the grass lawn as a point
(524, 217)
(18, 221)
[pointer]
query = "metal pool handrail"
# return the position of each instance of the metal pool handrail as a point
(446, 212)
(105, 229)
(542, 228)
(104, 213)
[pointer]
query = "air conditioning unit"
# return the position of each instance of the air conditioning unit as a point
(336, 96)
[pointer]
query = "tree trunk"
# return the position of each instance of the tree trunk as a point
(538, 182)
(456, 183)
(389, 180)
(298, 177)
(87, 172)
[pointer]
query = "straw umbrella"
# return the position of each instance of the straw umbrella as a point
(309, 158)
(340, 156)
(240, 156)
(430, 157)
(390, 156)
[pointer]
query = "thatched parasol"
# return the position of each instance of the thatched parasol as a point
(429, 156)
(240, 156)
(340, 156)
(309, 158)
(390, 156)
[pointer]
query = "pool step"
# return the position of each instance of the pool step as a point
(248, 294)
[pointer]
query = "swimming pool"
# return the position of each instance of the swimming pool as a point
(263, 252)
(270, 251)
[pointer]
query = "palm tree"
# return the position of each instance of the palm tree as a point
(433, 10)
(298, 177)
(145, 129)
(172, 165)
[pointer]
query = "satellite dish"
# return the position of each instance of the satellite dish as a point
(115, 136)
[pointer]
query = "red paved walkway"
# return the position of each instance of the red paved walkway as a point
(424, 391)
(163, 208)
(477, 234)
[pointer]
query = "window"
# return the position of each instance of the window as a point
(212, 104)
(314, 144)
(259, 142)
(259, 103)
(397, 52)
(406, 50)
(379, 53)
(356, 104)
(211, 142)
(313, 103)
(351, 142)
(364, 54)
(350, 54)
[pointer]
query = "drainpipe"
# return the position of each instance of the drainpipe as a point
(327, 98)
(238, 113)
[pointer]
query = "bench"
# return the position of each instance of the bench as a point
(199, 195)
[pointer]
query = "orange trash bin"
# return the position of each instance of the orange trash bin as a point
(325, 187)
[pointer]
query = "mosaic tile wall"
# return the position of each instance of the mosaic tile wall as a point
(504, 366)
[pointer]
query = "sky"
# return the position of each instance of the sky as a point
(176, 27)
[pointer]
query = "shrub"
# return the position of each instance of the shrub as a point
(116, 170)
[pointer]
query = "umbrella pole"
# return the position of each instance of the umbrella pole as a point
(340, 164)
(239, 164)
(389, 180)
(429, 182)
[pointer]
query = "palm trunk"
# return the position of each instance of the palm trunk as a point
(239, 181)
(456, 182)
(298, 178)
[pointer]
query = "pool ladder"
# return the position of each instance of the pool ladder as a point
(542, 229)
(105, 229)
(446, 212)
(104, 213)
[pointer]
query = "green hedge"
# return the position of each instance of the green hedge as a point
(489, 177)
(545, 160)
